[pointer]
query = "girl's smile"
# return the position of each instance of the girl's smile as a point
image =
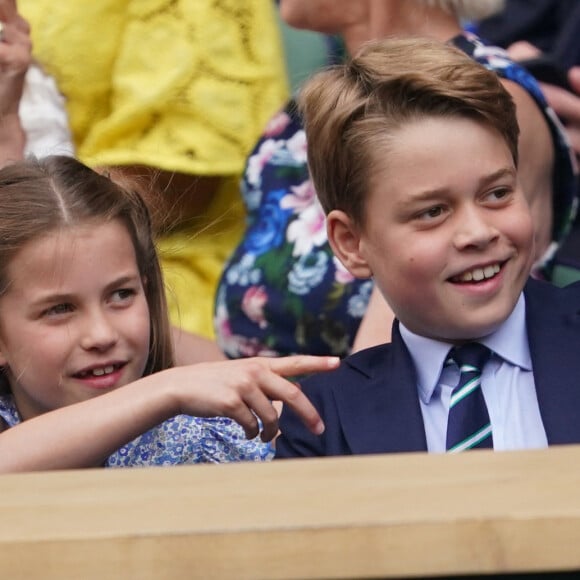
(104, 376)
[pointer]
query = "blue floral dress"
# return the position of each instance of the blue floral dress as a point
(177, 441)
(282, 290)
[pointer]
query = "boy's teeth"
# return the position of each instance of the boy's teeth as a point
(479, 274)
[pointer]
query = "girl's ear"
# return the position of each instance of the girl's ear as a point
(344, 239)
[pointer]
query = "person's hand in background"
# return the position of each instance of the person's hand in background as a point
(565, 103)
(567, 106)
(15, 58)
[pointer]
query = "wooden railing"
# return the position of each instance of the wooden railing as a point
(412, 515)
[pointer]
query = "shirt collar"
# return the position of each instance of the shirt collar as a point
(509, 342)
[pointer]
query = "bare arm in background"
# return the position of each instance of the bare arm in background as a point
(565, 104)
(15, 58)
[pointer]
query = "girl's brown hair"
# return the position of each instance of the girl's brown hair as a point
(38, 196)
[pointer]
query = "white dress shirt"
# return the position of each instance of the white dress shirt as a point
(507, 384)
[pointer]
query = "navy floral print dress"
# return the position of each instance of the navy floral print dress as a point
(180, 440)
(283, 291)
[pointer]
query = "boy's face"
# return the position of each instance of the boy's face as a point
(75, 321)
(448, 235)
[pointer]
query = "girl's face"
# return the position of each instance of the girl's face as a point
(74, 322)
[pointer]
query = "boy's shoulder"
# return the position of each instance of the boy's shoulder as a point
(552, 322)
(546, 296)
(391, 363)
(369, 405)
(355, 371)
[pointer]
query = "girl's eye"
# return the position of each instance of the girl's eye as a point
(58, 309)
(123, 295)
(499, 194)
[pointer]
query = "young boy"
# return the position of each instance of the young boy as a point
(413, 153)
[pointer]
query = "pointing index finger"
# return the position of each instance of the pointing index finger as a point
(288, 366)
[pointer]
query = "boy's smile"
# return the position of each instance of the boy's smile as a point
(74, 321)
(450, 244)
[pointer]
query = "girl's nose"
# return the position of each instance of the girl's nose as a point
(99, 334)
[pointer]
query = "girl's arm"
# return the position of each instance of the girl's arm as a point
(86, 433)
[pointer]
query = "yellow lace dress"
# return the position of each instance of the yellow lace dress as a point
(183, 85)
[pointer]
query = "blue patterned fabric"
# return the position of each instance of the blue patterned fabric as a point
(283, 291)
(177, 441)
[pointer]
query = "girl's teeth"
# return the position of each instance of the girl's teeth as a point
(103, 371)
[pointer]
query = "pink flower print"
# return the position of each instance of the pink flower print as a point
(253, 303)
(236, 346)
(301, 197)
(296, 145)
(257, 162)
(277, 124)
(308, 231)
(249, 347)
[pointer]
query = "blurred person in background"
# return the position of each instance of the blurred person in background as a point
(283, 291)
(172, 95)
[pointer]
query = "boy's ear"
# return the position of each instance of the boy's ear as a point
(344, 239)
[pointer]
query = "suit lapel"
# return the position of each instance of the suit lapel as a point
(553, 324)
(382, 415)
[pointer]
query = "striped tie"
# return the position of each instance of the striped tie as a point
(468, 425)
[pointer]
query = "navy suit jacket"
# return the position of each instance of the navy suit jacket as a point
(370, 404)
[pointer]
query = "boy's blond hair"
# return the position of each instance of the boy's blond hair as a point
(352, 112)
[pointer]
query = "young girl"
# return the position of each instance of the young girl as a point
(85, 345)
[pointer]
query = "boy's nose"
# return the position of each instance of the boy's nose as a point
(474, 230)
(99, 333)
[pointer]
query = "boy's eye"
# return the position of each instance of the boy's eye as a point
(58, 309)
(432, 213)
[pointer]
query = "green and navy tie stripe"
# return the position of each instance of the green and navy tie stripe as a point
(468, 425)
